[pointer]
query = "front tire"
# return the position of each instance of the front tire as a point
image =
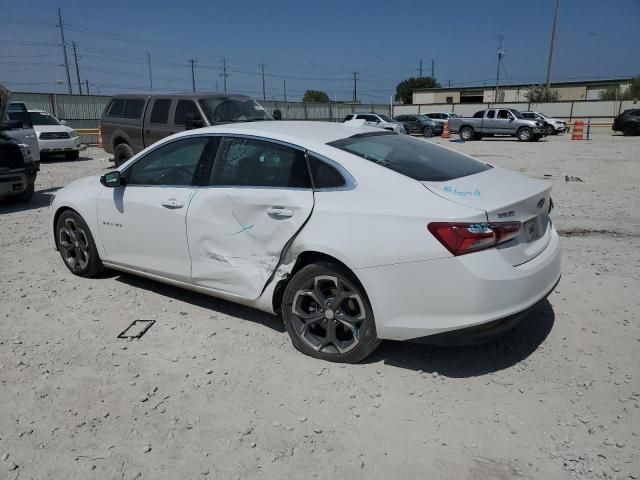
(121, 154)
(72, 155)
(467, 134)
(630, 130)
(427, 132)
(27, 195)
(549, 130)
(328, 315)
(76, 245)
(525, 134)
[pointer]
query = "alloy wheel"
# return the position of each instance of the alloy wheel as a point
(74, 245)
(328, 314)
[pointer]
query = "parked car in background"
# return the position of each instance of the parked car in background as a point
(420, 124)
(552, 126)
(497, 121)
(54, 136)
(378, 120)
(131, 123)
(353, 238)
(441, 117)
(628, 122)
(21, 129)
(18, 169)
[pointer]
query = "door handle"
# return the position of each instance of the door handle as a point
(172, 204)
(280, 212)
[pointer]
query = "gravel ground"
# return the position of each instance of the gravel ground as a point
(215, 390)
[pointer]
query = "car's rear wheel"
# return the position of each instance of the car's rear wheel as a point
(629, 130)
(328, 315)
(76, 245)
(525, 134)
(427, 132)
(121, 154)
(466, 134)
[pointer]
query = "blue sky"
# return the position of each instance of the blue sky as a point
(313, 44)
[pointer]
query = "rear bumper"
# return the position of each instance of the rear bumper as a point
(418, 299)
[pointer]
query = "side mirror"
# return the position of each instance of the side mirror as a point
(111, 179)
(191, 122)
(63, 122)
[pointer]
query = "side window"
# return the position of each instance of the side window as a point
(160, 111)
(184, 108)
(527, 115)
(171, 164)
(479, 114)
(504, 114)
(17, 113)
(401, 118)
(117, 108)
(361, 117)
(133, 108)
(325, 175)
(491, 113)
(347, 118)
(258, 163)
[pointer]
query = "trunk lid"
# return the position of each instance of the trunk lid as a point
(506, 196)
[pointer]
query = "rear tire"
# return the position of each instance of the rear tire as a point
(121, 154)
(549, 130)
(321, 324)
(427, 132)
(72, 155)
(525, 134)
(467, 134)
(77, 247)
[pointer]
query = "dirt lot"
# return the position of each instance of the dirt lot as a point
(216, 390)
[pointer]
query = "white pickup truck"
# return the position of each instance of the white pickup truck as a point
(497, 121)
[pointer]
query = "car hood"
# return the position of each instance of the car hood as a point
(52, 128)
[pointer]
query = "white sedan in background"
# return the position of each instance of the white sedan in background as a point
(54, 137)
(353, 234)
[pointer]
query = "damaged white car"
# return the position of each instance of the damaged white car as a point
(354, 234)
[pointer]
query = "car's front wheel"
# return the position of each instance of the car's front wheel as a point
(467, 134)
(121, 154)
(525, 134)
(76, 245)
(328, 315)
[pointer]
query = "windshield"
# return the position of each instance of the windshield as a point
(232, 109)
(543, 115)
(516, 113)
(386, 119)
(417, 159)
(454, 115)
(42, 118)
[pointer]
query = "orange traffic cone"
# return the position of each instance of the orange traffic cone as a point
(578, 130)
(445, 131)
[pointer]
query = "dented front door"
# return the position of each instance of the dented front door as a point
(260, 197)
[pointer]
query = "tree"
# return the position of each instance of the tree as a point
(404, 90)
(541, 94)
(315, 96)
(615, 92)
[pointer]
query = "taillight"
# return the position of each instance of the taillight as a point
(463, 238)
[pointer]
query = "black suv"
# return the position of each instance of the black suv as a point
(628, 122)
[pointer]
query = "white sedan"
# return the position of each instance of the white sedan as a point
(354, 234)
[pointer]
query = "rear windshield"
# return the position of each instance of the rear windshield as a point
(418, 159)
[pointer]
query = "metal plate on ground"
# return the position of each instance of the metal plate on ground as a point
(137, 329)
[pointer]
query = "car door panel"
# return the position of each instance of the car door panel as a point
(236, 235)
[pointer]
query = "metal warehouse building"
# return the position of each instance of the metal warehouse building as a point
(567, 91)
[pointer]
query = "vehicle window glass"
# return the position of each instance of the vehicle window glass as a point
(504, 114)
(527, 115)
(414, 158)
(348, 117)
(42, 118)
(232, 108)
(479, 114)
(160, 111)
(18, 114)
(117, 108)
(325, 175)
(636, 113)
(491, 114)
(133, 108)
(361, 117)
(171, 164)
(258, 163)
(184, 108)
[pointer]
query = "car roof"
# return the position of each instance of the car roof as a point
(194, 95)
(295, 132)
(37, 110)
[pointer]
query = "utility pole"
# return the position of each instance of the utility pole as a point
(553, 42)
(284, 89)
(355, 87)
(217, 88)
(193, 73)
(75, 57)
(433, 69)
(500, 54)
(224, 73)
(86, 83)
(64, 49)
(264, 92)
(449, 83)
(150, 76)
(420, 68)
